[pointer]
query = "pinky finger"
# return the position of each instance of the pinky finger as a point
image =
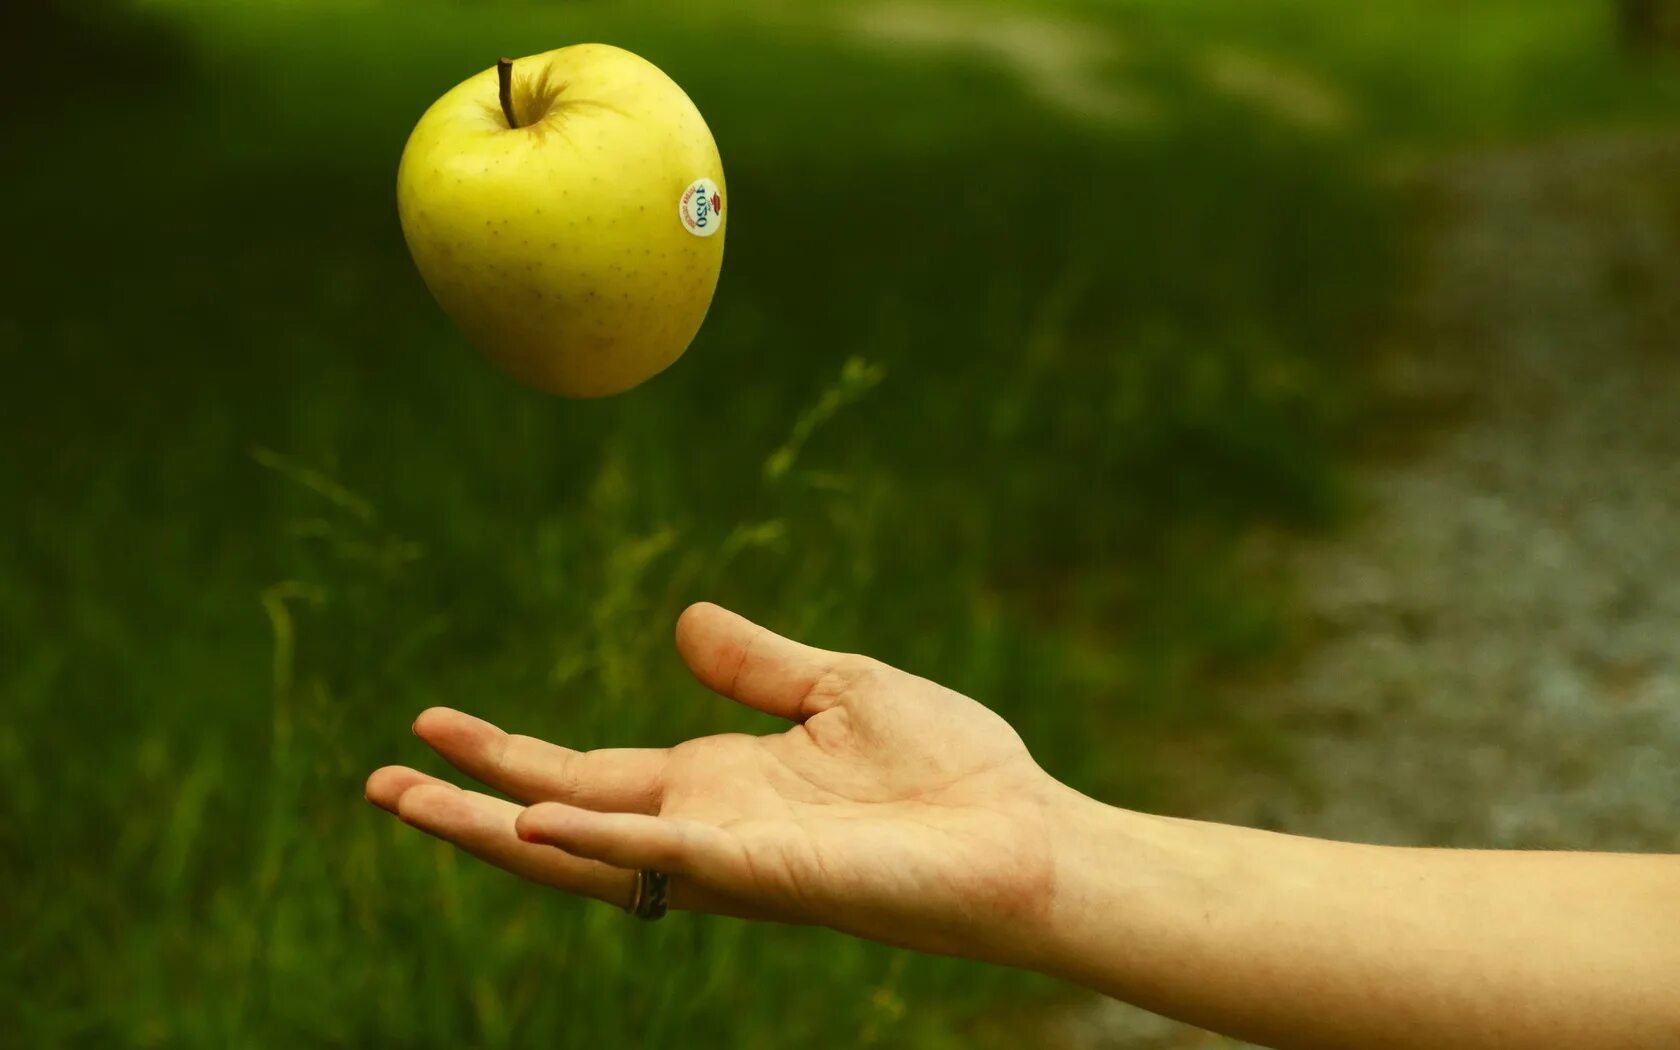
(484, 827)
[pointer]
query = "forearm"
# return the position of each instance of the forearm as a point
(1298, 942)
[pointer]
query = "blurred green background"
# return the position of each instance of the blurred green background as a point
(1031, 314)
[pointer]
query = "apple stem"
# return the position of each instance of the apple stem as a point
(504, 75)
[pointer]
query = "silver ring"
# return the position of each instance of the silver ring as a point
(652, 887)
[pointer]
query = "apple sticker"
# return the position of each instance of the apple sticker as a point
(701, 208)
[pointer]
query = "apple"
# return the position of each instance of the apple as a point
(567, 211)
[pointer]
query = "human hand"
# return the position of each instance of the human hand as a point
(893, 808)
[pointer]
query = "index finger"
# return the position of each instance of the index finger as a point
(533, 770)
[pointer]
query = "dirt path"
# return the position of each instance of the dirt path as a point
(1495, 648)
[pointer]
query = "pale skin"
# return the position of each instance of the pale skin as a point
(897, 810)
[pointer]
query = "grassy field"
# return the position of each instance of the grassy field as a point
(1014, 345)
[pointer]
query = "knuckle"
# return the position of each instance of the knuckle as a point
(733, 660)
(567, 777)
(827, 689)
(501, 754)
(525, 760)
(846, 676)
(861, 672)
(669, 851)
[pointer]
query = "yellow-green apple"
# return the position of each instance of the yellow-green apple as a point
(567, 210)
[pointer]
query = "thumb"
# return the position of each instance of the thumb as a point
(734, 657)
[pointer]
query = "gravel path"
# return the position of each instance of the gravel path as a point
(1494, 650)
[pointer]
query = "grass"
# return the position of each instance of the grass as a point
(989, 390)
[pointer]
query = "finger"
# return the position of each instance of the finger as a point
(386, 785)
(631, 840)
(736, 658)
(484, 827)
(534, 770)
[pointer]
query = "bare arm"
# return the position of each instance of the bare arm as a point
(1298, 942)
(897, 810)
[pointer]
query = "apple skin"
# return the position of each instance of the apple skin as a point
(557, 247)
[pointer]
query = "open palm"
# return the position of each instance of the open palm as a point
(893, 808)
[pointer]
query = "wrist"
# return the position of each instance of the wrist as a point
(1123, 883)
